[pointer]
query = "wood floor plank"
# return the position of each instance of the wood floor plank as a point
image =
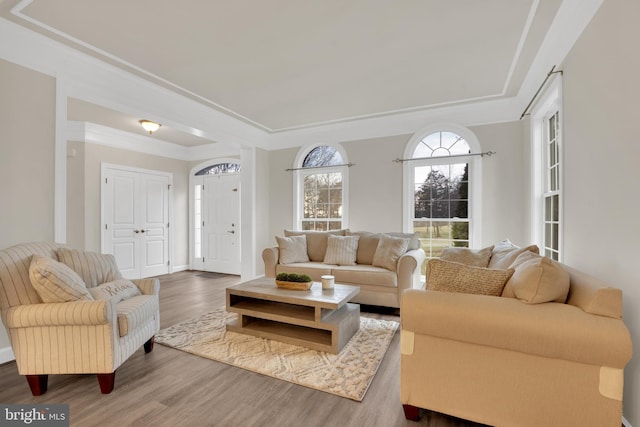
(168, 387)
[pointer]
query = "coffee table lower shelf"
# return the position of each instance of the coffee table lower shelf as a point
(330, 334)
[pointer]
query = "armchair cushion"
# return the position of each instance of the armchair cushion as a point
(134, 312)
(117, 290)
(450, 276)
(94, 268)
(55, 282)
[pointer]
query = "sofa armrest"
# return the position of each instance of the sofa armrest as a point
(408, 269)
(99, 312)
(148, 286)
(551, 330)
(270, 256)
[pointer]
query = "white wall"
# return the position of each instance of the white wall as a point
(601, 155)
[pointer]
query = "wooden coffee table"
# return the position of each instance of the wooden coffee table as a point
(318, 319)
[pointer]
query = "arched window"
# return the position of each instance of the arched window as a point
(439, 175)
(219, 169)
(320, 181)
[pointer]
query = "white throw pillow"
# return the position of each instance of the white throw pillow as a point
(389, 251)
(117, 290)
(292, 249)
(341, 250)
(55, 282)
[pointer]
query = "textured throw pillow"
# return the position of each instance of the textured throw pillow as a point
(389, 251)
(316, 241)
(293, 249)
(341, 250)
(94, 268)
(414, 240)
(55, 282)
(447, 276)
(537, 279)
(473, 257)
(118, 290)
(505, 252)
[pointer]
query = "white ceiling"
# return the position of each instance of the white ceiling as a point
(291, 64)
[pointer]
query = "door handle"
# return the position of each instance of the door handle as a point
(142, 231)
(231, 231)
(136, 231)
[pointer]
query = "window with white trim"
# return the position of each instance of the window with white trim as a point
(551, 194)
(321, 174)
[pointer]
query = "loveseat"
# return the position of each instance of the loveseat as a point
(71, 312)
(381, 264)
(548, 347)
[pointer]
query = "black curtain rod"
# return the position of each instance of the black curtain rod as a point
(549, 74)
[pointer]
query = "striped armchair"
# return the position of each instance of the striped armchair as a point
(78, 337)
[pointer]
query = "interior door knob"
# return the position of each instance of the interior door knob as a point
(231, 231)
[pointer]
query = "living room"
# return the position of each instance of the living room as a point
(45, 84)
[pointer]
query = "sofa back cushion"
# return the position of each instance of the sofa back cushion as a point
(537, 279)
(593, 295)
(505, 253)
(15, 284)
(94, 268)
(316, 241)
(368, 244)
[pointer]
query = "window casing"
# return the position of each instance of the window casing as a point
(441, 182)
(551, 194)
(320, 181)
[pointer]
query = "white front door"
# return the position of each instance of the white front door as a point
(221, 223)
(136, 221)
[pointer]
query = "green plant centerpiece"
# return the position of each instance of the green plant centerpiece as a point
(294, 281)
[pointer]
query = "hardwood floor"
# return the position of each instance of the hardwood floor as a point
(168, 387)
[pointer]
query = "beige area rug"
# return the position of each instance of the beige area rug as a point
(347, 374)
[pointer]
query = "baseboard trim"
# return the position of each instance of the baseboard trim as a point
(626, 423)
(180, 268)
(6, 355)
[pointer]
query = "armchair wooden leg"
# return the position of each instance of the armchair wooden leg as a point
(38, 384)
(148, 346)
(106, 381)
(411, 412)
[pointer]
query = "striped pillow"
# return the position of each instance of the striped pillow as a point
(94, 268)
(341, 250)
(55, 282)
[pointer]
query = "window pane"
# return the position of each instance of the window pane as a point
(555, 210)
(323, 155)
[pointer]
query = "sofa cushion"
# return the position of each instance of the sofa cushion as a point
(56, 282)
(537, 279)
(473, 257)
(135, 312)
(117, 290)
(367, 245)
(341, 250)
(292, 249)
(447, 276)
(505, 252)
(94, 268)
(316, 241)
(389, 250)
(414, 240)
(365, 275)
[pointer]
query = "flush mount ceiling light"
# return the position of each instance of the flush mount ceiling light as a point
(150, 126)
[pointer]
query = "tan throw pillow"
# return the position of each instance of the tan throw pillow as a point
(447, 276)
(55, 282)
(341, 250)
(414, 240)
(292, 249)
(117, 290)
(389, 251)
(473, 257)
(94, 268)
(316, 241)
(367, 245)
(505, 252)
(537, 279)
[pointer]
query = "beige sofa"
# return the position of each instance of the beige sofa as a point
(379, 285)
(503, 362)
(71, 312)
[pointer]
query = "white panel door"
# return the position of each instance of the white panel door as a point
(221, 223)
(136, 220)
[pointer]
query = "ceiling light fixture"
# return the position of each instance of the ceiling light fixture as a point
(150, 126)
